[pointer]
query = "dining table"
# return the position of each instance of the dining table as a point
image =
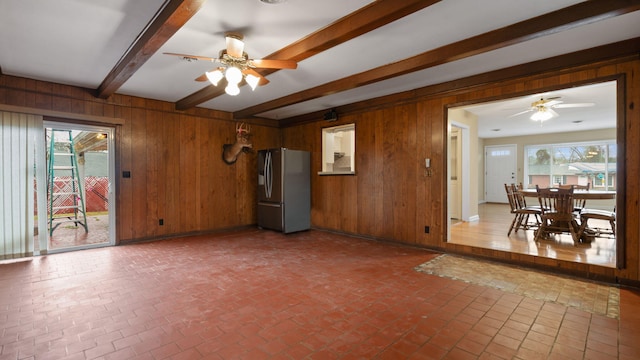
(577, 194)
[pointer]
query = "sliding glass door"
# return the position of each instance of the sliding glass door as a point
(80, 193)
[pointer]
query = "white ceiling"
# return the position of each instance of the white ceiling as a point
(499, 119)
(78, 42)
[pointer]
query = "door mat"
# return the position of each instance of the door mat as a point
(589, 296)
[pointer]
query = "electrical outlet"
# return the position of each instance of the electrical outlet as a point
(426, 229)
(161, 222)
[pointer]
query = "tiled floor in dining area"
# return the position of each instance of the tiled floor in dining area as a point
(258, 294)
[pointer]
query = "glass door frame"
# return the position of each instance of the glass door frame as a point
(111, 192)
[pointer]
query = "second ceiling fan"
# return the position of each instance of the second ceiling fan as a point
(236, 66)
(543, 108)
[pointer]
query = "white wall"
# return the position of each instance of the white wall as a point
(470, 121)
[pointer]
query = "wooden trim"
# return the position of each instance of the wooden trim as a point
(62, 115)
(621, 172)
(368, 18)
(621, 142)
(172, 17)
(562, 267)
(534, 262)
(540, 26)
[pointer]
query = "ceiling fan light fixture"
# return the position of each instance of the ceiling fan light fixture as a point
(235, 45)
(233, 75)
(252, 81)
(214, 76)
(541, 115)
(232, 89)
(235, 65)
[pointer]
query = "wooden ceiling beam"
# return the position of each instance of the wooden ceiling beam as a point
(167, 22)
(608, 52)
(368, 18)
(544, 25)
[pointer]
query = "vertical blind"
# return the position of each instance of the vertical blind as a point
(20, 136)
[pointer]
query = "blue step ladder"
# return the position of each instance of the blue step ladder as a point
(64, 183)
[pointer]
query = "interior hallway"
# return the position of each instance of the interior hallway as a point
(262, 295)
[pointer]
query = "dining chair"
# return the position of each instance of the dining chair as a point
(578, 204)
(522, 200)
(557, 215)
(595, 214)
(521, 212)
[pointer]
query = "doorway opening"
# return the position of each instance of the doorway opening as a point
(80, 194)
(586, 117)
(459, 173)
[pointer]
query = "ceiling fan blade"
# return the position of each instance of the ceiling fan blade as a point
(544, 99)
(263, 80)
(273, 64)
(193, 57)
(575, 105)
(555, 114)
(521, 112)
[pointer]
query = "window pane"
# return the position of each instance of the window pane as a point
(590, 167)
(572, 164)
(538, 166)
(562, 157)
(612, 167)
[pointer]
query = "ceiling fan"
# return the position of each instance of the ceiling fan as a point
(543, 108)
(236, 66)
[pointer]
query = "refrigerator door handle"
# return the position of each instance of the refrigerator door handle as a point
(269, 204)
(264, 171)
(268, 186)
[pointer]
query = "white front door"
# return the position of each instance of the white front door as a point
(500, 168)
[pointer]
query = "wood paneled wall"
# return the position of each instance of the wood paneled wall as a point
(391, 198)
(177, 173)
(175, 159)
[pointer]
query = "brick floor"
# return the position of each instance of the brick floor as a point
(263, 295)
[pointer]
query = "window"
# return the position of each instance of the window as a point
(572, 163)
(558, 180)
(338, 150)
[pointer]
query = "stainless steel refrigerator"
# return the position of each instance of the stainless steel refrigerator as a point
(284, 190)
